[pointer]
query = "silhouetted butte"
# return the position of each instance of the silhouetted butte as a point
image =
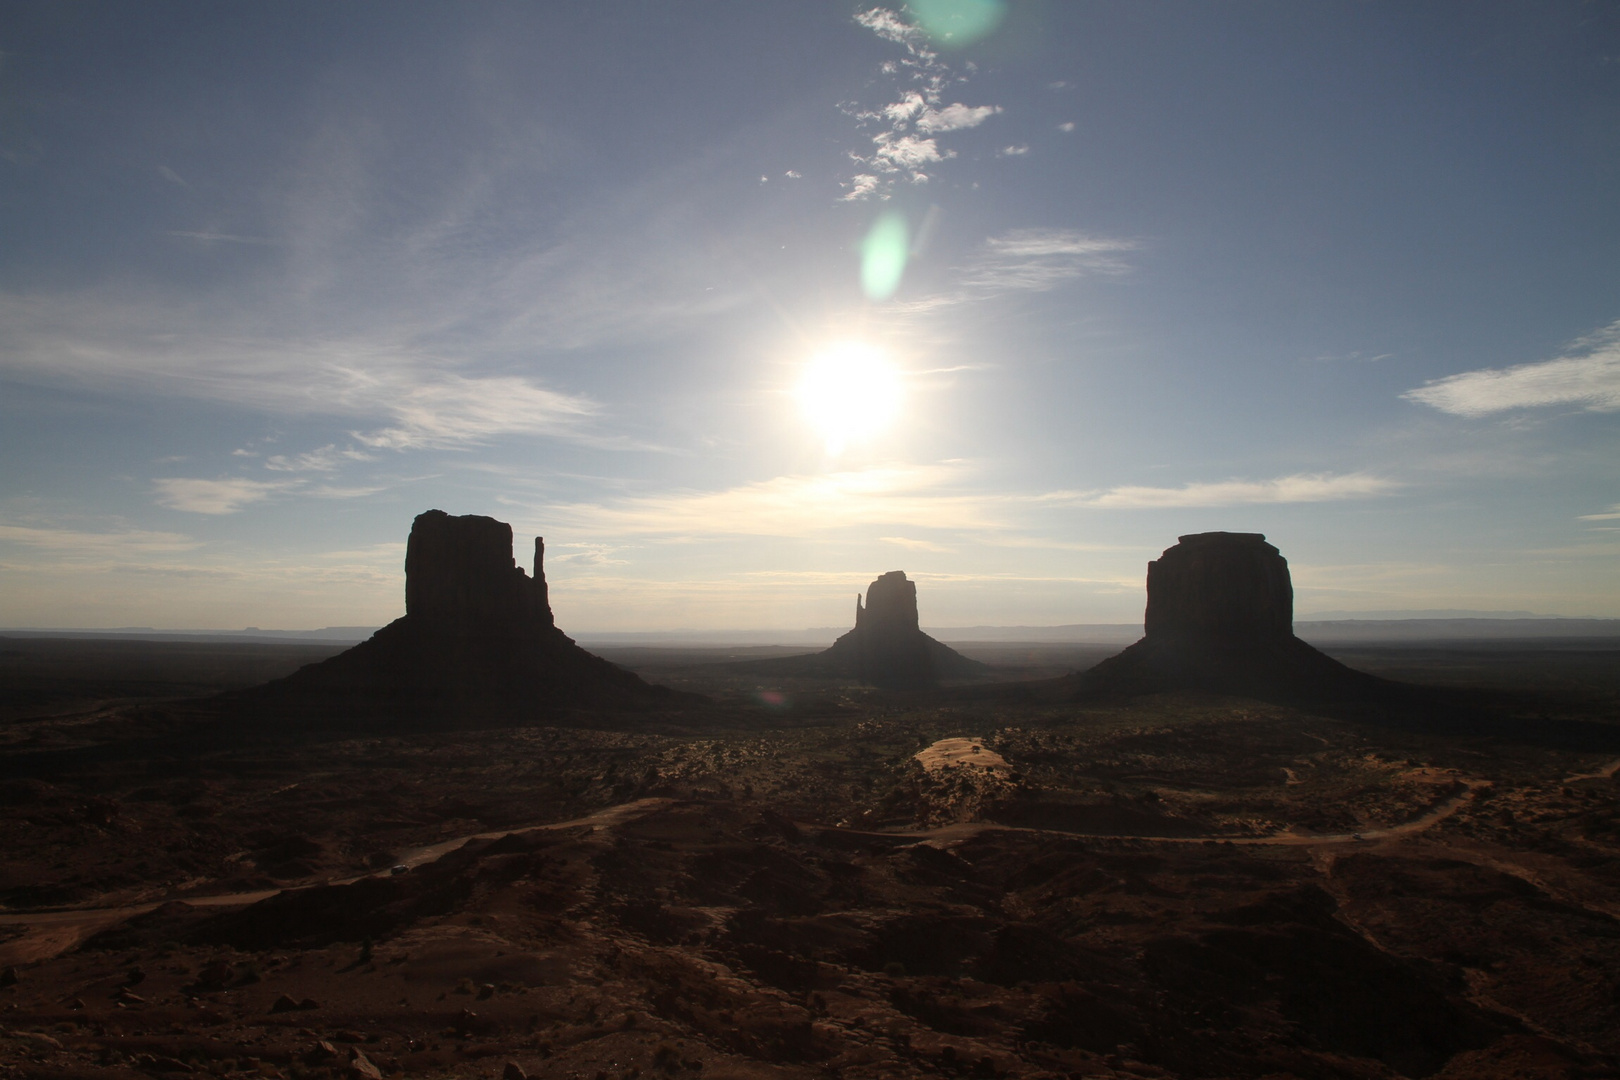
(1220, 617)
(887, 646)
(478, 644)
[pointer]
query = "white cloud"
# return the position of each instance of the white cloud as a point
(1589, 376)
(225, 496)
(905, 146)
(1067, 126)
(1300, 488)
(907, 154)
(1013, 151)
(906, 109)
(954, 117)
(1612, 514)
(860, 186)
(889, 26)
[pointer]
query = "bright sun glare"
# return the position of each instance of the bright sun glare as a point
(849, 391)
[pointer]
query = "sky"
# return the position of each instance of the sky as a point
(743, 304)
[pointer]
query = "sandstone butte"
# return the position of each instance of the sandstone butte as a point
(478, 644)
(887, 647)
(1220, 618)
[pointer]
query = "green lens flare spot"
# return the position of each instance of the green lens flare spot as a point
(952, 24)
(883, 256)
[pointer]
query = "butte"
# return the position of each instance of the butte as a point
(477, 646)
(1220, 618)
(887, 648)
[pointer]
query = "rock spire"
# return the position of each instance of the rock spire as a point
(887, 646)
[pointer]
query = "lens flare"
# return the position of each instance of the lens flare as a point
(849, 392)
(955, 23)
(883, 256)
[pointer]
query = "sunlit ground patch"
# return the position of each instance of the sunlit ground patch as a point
(951, 753)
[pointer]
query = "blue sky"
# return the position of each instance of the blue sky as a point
(276, 278)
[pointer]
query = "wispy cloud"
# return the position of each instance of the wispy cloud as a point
(1300, 488)
(925, 496)
(326, 459)
(78, 543)
(335, 491)
(906, 147)
(455, 409)
(1013, 151)
(219, 237)
(1588, 375)
(954, 117)
(1041, 259)
(1611, 514)
(418, 399)
(226, 496)
(942, 496)
(914, 544)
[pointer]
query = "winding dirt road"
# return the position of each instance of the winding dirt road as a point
(53, 932)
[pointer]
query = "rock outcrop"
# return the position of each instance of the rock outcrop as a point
(1220, 584)
(1220, 618)
(887, 647)
(478, 645)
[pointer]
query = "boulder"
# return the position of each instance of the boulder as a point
(1220, 618)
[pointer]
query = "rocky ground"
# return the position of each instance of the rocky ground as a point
(1177, 887)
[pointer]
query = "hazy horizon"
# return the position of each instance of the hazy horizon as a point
(742, 305)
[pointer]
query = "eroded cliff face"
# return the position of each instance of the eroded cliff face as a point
(1220, 618)
(478, 645)
(462, 568)
(887, 646)
(891, 606)
(1220, 583)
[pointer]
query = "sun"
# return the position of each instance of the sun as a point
(849, 391)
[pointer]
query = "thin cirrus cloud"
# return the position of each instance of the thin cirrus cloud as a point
(1611, 514)
(923, 496)
(1588, 376)
(412, 399)
(325, 459)
(223, 496)
(938, 496)
(913, 544)
(1299, 488)
(83, 544)
(230, 495)
(906, 148)
(1042, 259)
